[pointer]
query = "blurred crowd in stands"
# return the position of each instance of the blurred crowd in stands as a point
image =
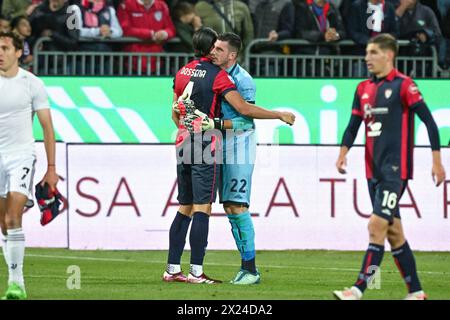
(425, 23)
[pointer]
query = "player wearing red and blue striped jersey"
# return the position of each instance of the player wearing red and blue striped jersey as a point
(204, 85)
(387, 103)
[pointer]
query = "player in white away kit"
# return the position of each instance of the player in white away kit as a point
(21, 95)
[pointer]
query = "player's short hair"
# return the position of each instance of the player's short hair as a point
(17, 42)
(234, 41)
(203, 41)
(182, 8)
(386, 42)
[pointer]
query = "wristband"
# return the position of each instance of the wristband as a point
(218, 124)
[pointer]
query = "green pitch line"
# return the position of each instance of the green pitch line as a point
(285, 275)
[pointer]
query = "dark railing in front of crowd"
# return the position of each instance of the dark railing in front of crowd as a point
(342, 62)
(107, 63)
(260, 60)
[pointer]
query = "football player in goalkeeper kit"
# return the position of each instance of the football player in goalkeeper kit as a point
(239, 153)
(204, 85)
(22, 94)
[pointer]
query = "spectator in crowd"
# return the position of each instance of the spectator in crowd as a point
(97, 20)
(273, 19)
(147, 20)
(336, 3)
(359, 15)
(419, 24)
(318, 21)
(443, 7)
(344, 9)
(227, 16)
(21, 26)
(15, 8)
(444, 50)
(186, 23)
(366, 19)
(5, 24)
(172, 3)
(50, 19)
(116, 3)
(445, 23)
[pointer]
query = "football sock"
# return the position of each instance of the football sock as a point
(16, 253)
(173, 268)
(371, 262)
(198, 237)
(177, 238)
(406, 264)
(5, 251)
(244, 236)
(196, 270)
(249, 265)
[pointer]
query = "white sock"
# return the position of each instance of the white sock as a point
(173, 268)
(196, 270)
(5, 251)
(16, 253)
(356, 292)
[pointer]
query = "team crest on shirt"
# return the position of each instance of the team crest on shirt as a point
(106, 15)
(365, 96)
(158, 15)
(388, 93)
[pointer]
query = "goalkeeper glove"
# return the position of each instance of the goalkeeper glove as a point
(199, 121)
(48, 201)
(183, 107)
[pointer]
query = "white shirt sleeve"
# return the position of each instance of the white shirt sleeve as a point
(84, 32)
(39, 95)
(116, 29)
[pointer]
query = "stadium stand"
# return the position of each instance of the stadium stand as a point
(291, 57)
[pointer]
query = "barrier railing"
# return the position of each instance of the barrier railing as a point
(262, 64)
(259, 64)
(107, 63)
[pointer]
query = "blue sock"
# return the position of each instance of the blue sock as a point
(372, 259)
(404, 259)
(244, 235)
(177, 237)
(198, 237)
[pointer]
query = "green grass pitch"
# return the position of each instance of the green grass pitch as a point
(285, 275)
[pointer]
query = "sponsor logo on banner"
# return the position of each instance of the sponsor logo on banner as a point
(300, 200)
(115, 110)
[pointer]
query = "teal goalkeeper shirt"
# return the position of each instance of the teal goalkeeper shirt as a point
(246, 88)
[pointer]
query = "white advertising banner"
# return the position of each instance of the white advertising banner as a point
(124, 197)
(54, 234)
